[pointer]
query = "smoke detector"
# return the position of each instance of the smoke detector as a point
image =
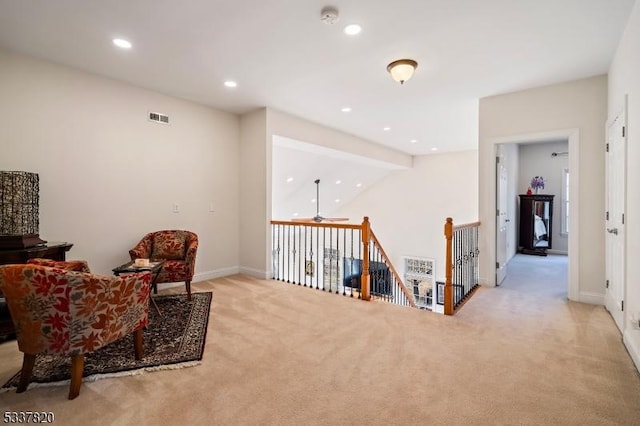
(329, 15)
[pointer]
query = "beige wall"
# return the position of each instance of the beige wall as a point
(108, 175)
(255, 189)
(576, 110)
(408, 208)
(624, 79)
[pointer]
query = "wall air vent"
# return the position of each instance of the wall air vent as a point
(159, 118)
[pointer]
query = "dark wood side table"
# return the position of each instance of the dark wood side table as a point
(53, 251)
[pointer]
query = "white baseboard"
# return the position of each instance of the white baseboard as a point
(484, 282)
(591, 298)
(631, 339)
(203, 276)
(257, 273)
(217, 273)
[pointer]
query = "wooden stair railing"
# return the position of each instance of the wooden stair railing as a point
(396, 276)
(461, 260)
(303, 237)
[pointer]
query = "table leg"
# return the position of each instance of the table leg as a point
(154, 285)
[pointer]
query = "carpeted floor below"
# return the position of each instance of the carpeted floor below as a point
(282, 354)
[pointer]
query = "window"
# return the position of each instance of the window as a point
(564, 229)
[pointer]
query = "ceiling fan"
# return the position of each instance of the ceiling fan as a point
(317, 217)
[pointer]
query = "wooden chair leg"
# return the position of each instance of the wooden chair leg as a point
(138, 344)
(188, 285)
(25, 374)
(77, 367)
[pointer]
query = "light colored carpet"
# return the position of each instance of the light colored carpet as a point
(287, 355)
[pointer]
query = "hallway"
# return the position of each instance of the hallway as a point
(545, 276)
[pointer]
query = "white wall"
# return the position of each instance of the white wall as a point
(282, 124)
(108, 175)
(536, 160)
(624, 79)
(408, 208)
(576, 110)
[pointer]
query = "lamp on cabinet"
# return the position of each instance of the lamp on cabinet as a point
(19, 210)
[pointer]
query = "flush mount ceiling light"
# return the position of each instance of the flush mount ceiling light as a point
(352, 29)
(230, 83)
(402, 69)
(122, 43)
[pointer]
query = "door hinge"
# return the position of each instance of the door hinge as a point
(607, 147)
(497, 160)
(607, 215)
(622, 305)
(607, 283)
(497, 265)
(623, 128)
(623, 218)
(497, 212)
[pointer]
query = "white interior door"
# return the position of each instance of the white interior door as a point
(615, 224)
(501, 218)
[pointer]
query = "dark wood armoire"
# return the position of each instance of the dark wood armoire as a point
(536, 223)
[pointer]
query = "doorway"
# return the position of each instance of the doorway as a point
(519, 162)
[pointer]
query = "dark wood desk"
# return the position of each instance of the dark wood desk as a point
(54, 251)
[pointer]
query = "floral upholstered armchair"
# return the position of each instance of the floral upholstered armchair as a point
(178, 249)
(70, 313)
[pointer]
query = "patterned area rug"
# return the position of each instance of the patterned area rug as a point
(174, 339)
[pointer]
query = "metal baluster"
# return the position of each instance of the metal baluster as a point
(311, 258)
(316, 265)
(279, 250)
(338, 261)
(304, 263)
(456, 236)
(294, 252)
(273, 250)
(298, 262)
(344, 256)
(351, 264)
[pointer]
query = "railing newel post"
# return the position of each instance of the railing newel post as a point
(448, 267)
(364, 279)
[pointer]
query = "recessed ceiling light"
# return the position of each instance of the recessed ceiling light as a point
(230, 83)
(337, 200)
(352, 29)
(313, 200)
(413, 140)
(338, 182)
(346, 109)
(295, 214)
(434, 149)
(122, 43)
(358, 185)
(289, 179)
(386, 129)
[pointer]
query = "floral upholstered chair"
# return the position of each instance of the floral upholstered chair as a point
(70, 313)
(69, 265)
(178, 248)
